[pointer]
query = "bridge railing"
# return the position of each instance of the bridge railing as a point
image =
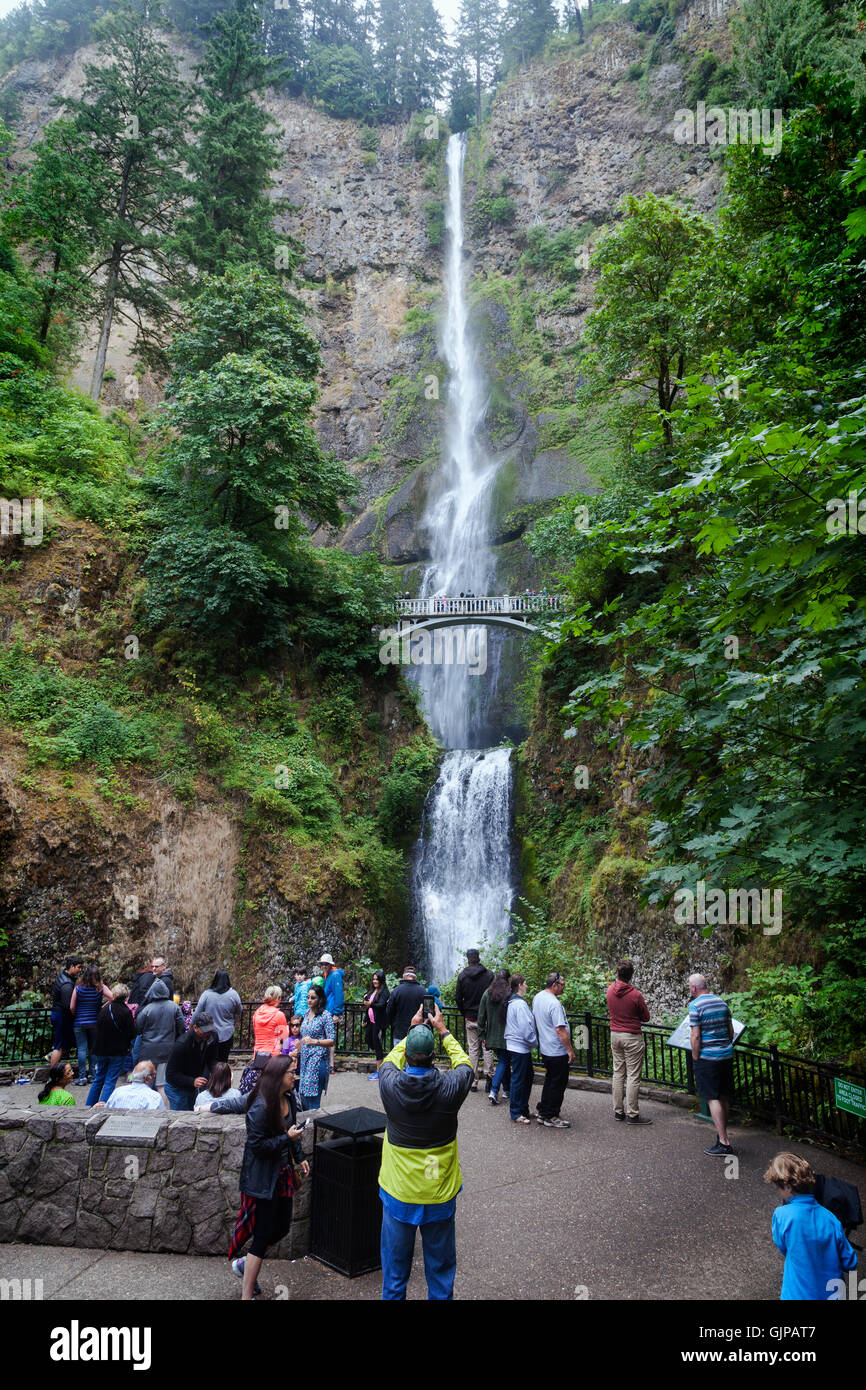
(481, 604)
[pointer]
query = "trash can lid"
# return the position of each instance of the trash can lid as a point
(362, 1120)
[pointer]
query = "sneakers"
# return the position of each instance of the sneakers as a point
(638, 1120)
(556, 1122)
(522, 1120)
(494, 1099)
(238, 1267)
(619, 1114)
(718, 1150)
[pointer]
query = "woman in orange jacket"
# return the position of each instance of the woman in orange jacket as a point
(270, 1025)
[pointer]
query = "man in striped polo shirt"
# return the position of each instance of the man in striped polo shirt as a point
(712, 1040)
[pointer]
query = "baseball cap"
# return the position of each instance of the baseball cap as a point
(420, 1042)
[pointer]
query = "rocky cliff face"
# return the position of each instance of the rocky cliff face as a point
(567, 138)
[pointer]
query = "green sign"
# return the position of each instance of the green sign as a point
(850, 1097)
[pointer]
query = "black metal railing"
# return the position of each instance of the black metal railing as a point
(776, 1088)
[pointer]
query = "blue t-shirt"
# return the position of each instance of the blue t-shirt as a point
(334, 992)
(299, 1001)
(710, 1013)
(815, 1247)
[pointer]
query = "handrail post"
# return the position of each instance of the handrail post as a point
(587, 1019)
(776, 1073)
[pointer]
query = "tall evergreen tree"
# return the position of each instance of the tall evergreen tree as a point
(132, 116)
(478, 29)
(528, 25)
(53, 208)
(411, 55)
(230, 217)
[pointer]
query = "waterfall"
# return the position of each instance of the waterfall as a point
(462, 872)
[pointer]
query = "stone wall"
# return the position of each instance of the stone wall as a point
(174, 1192)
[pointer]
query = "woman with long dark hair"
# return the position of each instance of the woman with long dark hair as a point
(54, 1091)
(225, 1008)
(317, 1039)
(518, 1024)
(88, 997)
(266, 1181)
(491, 1031)
(376, 1002)
(219, 1087)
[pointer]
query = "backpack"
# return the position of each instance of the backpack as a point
(842, 1199)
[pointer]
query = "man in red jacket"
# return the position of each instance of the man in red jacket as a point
(627, 1011)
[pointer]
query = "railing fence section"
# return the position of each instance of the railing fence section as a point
(771, 1086)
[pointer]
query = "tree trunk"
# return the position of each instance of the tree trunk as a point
(107, 319)
(478, 92)
(48, 303)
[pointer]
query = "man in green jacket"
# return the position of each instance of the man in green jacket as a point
(420, 1175)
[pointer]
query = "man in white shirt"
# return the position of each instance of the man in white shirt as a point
(554, 1041)
(138, 1094)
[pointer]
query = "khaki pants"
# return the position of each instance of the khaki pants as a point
(628, 1051)
(473, 1043)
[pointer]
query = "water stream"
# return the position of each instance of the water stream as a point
(462, 866)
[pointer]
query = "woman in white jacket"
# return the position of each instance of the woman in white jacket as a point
(520, 1039)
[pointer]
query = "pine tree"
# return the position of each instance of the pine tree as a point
(478, 29)
(411, 55)
(53, 208)
(233, 152)
(132, 116)
(528, 25)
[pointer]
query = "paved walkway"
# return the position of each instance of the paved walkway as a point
(603, 1210)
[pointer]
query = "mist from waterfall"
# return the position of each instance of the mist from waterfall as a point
(462, 869)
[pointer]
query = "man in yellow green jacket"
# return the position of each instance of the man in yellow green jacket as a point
(420, 1175)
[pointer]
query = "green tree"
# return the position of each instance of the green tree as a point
(132, 115)
(774, 40)
(242, 476)
(53, 208)
(527, 26)
(229, 219)
(478, 31)
(646, 331)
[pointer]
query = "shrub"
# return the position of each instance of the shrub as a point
(404, 791)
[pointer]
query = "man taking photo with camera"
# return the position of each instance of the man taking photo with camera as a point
(420, 1175)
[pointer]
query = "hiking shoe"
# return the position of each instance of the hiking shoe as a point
(557, 1123)
(619, 1114)
(522, 1120)
(238, 1267)
(719, 1150)
(638, 1120)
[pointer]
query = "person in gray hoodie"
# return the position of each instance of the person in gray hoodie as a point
(159, 1025)
(225, 1008)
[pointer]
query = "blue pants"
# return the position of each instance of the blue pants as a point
(136, 1049)
(311, 1102)
(105, 1075)
(84, 1034)
(521, 1083)
(440, 1257)
(502, 1074)
(179, 1099)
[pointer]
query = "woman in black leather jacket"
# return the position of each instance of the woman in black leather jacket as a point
(266, 1181)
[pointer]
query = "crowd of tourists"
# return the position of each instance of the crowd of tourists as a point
(178, 1054)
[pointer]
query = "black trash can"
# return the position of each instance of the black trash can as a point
(346, 1217)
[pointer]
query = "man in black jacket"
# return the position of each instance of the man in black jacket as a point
(471, 984)
(404, 1003)
(190, 1062)
(142, 982)
(61, 1016)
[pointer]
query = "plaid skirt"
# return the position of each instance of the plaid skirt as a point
(245, 1225)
